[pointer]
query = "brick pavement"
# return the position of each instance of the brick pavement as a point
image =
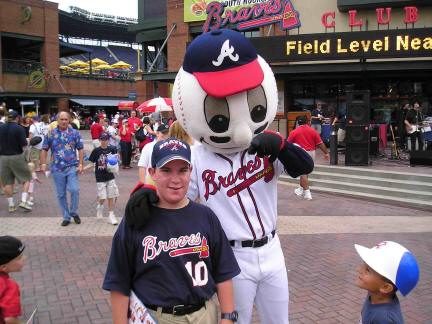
(66, 265)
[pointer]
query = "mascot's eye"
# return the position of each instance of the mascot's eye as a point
(257, 102)
(217, 114)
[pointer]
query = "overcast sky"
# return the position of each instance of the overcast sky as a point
(123, 8)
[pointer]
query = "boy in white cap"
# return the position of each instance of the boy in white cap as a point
(387, 267)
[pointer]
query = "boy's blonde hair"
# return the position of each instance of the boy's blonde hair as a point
(177, 131)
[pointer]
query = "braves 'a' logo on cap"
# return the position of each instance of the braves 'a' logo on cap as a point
(226, 51)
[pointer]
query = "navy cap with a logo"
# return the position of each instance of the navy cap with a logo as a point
(224, 62)
(10, 248)
(169, 150)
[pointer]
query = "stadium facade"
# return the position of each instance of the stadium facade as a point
(38, 41)
(317, 49)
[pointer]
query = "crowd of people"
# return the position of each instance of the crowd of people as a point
(164, 162)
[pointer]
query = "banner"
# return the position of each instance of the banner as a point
(195, 10)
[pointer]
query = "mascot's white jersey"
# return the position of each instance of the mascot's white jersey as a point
(240, 188)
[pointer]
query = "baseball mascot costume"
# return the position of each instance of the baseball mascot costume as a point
(225, 97)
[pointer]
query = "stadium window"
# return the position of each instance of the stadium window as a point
(252, 33)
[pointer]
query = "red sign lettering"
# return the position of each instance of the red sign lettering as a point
(352, 19)
(380, 18)
(258, 15)
(411, 15)
(325, 22)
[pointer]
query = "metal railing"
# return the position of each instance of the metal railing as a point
(20, 66)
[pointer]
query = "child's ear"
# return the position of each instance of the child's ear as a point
(3, 268)
(386, 288)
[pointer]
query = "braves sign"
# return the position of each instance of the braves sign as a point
(260, 14)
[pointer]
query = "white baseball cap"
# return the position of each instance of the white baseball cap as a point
(394, 262)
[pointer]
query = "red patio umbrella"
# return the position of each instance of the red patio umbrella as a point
(156, 105)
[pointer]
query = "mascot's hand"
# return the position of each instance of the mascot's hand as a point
(268, 143)
(137, 211)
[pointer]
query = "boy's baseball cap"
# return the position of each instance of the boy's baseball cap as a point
(12, 114)
(10, 248)
(163, 128)
(394, 262)
(169, 150)
(104, 136)
(224, 62)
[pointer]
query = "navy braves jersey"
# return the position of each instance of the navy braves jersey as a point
(240, 188)
(178, 258)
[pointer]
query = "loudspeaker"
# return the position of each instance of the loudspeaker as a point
(358, 107)
(374, 141)
(357, 134)
(421, 157)
(357, 154)
(357, 145)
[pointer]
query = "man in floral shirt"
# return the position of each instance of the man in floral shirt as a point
(64, 141)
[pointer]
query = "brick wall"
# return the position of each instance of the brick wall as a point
(11, 13)
(179, 38)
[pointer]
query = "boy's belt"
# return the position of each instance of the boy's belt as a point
(254, 243)
(178, 310)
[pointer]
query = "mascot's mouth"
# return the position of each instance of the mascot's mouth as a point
(220, 140)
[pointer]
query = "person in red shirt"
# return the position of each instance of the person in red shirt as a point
(309, 139)
(134, 122)
(126, 133)
(12, 259)
(95, 130)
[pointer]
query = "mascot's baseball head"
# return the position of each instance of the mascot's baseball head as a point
(224, 94)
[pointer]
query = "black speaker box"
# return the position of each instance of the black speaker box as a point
(357, 134)
(421, 157)
(374, 141)
(358, 108)
(357, 154)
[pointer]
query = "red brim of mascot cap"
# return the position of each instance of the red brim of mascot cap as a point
(224, 62)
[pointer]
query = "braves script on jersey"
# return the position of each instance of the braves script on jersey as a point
(178, 258)
(240, 188)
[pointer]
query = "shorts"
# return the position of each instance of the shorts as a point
(107, 189)
(312, 154)
(14, 167)
(34, 154)
(207, 314)
(341, 135)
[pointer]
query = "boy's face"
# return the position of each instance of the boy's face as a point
(103, 143)
(172, 182)
(14, 265)
(370, 280)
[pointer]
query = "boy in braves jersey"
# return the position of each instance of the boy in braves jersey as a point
(179, 257)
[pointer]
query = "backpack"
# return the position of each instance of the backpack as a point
(140, 135)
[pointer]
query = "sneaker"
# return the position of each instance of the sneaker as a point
(25, 206)
(30, 202)
(307, 195)
(12, 209)
(76, 219)
(65, 222)
(299, 191)
(99, 211)
(112, 219)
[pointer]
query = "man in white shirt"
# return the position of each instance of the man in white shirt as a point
(145, 159)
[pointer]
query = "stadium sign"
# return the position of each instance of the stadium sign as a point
(350, 45)
(243, 14)
(259, 14)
